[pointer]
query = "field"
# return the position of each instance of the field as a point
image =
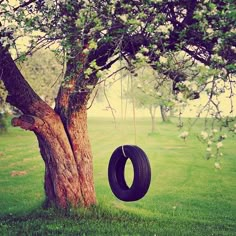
(187, 196)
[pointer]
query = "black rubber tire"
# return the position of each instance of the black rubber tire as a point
(142, 173)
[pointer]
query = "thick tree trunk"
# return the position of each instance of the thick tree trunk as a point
(62, 136)
(79, 138)
(68, 168)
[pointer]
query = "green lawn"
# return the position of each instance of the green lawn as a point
(187, 196)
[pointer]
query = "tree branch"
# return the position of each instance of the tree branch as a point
(20, 94)
(28, 122)
(190, 11)
(24, 4)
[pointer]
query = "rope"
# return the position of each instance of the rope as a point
(123, 151)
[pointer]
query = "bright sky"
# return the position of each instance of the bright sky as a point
(114, 95)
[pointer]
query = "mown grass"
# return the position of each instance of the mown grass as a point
(187, 196)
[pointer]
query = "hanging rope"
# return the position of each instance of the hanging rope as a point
(109, 104)
(121, 96)
(126, 103)
(133, 106)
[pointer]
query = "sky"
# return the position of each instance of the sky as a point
(118, 105)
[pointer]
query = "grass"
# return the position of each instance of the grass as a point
(187, 196)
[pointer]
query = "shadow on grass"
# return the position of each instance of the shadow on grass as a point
(101, 220)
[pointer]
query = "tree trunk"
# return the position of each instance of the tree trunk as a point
(152, 111)
(163, 113)
(62, 136)
(81, 147)
(68, 164)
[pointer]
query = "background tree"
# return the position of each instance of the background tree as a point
(3, 95)
(3, 115)
(91, 36)
(151, 91)
(44, 73)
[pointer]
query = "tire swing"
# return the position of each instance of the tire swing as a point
(142, 173)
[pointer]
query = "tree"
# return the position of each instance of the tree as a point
(151, 91)
(2, 96)
(90, 36)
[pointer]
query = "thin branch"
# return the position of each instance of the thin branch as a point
(42, 42)
(114, 73)
(232, 94)
(197, 57)
(109, 104)
(24, 4)
(92, 100)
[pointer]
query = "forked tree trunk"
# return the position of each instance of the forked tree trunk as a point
(68, 171)
(62, 136)
(68, 163)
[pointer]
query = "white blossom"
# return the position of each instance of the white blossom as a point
(162, 29)
(3, 39)
(163, 59)
(86, 51)
(219, 145)
(139, 85)
(209, 142)
(144, 49)
(224, 136)
(209, 30)
(49, 3)
(217, 165)
(184, 135)
(204, 135)
(233, 48)
(233, 30)
(187, 83)
(139, 55)
(208, 149)
(180, 96)
(193, 86)
(214, 131)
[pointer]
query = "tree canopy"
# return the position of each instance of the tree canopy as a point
(204, 29)
(106, 31)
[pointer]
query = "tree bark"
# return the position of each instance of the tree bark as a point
(62, 136)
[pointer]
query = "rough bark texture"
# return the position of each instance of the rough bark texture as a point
(77, 129)
(62, 136)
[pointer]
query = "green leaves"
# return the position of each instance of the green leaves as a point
(92, 44)
(151, 31)
(22, 58)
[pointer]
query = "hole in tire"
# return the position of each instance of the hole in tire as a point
(129, 173)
